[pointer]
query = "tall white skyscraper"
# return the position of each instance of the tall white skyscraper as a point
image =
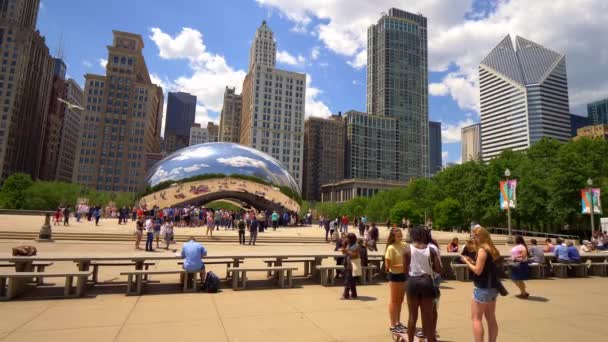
(272, 117)
(523, 95)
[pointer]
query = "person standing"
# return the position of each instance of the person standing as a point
(157, 226)
(344, 225)
(149, 234)
(66, 215)
(361, 227)
(168, 228)
(253, 230)
(420, 263)
(486, 285)
(393, 263)
(326, 225)
(520, 270)
(374, 234)
(275, 220)
(209, 230)
(352, 266)
(139, 232)
(241, 227)
(97, 214)
(218, 218)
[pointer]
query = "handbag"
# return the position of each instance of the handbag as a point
(356, 266)
(498, 283)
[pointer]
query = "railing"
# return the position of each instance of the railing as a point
(505, 231)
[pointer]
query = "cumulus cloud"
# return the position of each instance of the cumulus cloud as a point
(451, 133)
(210, 73)
(285, 57)
(315, 52)
(460, 36)
(314, 106)
(103, 62)
(87, 64)
(195, 167)
(444, 156)
(242, 161)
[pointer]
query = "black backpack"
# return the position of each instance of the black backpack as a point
(212, 283)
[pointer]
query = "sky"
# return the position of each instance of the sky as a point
(203, 46)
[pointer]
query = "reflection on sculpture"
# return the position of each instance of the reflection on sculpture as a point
(221, 170)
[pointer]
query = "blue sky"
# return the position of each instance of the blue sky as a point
(202, 46)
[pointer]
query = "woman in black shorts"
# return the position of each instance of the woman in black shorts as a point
(420, 263)
(393, 263)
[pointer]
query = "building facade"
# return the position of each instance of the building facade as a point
(576, 122)
(181, 109)
(597, 112)
(230, 117)
(25, 79)
(351, 188)
(54, 122)
(435, 159)
(324, 150)
(523, 96)
(470, 143)
(202, 135)
(593, 132)
(121, 122)
(70, 132)
(272, 116)
(397, 85)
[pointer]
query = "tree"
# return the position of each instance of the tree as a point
(51, 195)
(406, 209)
(448, 214)
(328, 209)
(354, 207)
(12, 195)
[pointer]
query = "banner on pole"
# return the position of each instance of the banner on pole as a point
(590, 198)
(508, 194)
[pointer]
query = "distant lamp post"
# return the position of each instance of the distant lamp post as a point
(510, 233)
(591, 213)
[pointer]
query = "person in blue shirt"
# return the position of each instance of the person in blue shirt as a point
(561, 252)
(193, 253)
(573, 253)
(275, 220)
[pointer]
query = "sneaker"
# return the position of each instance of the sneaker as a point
(402, 327)
(420, 335)
(396, 330)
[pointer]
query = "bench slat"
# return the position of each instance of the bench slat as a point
(43, 274)
(155, 272)
(254, 269)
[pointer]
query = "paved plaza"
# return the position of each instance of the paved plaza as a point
(559, 309)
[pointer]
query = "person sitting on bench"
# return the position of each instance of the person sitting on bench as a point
(573, 253)
(193, 253)
(561, 252)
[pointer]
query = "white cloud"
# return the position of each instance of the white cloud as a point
(285, 57)
(87, 64)
(450, 133)
(202, 116)
(195, 167)
(103, 62)
(314, 106)
(444, 156)
(315, 52)
(242, 162)
(360, 60)
(575, 28)
(210, 73)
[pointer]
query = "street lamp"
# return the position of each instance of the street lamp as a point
(590, 184)
(510, 233)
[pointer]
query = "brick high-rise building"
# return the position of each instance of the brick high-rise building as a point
(70, 132)
(121, 122)
(272, 117)
(25, 86)
(181, 109)
(324, 144)
(230, 119)
(54, 122)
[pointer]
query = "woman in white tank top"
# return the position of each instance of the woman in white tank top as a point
(421, 263)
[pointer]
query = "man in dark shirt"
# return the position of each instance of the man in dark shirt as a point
(253, 230)
(241, 227)
(373, 238)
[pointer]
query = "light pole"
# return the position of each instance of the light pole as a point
(590, 184)
(510, 233)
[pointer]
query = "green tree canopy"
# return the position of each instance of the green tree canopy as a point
(448, 214)
(12, 195)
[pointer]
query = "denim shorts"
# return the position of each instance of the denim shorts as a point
(484, 295)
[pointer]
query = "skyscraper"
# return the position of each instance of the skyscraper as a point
(181, 109)
(230, 118)
(324, 143)
(54, 122)
(121, 122)
(576, 122)
(397, 85)
(26, 76)
(435, 158)
(470, 143)
(598, 112)
(70, 131)
(524, 96)
(272, 117)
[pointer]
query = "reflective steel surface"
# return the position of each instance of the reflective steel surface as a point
(220, 158)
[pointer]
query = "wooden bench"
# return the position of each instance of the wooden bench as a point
(461, 271)
(38, 266)
(228, 263)
(377, 261)
(328, 273)
(135, 279)
(367, 274)
(10, 288)
(308, 264)
(97, 264)
(239, 275)
(599, 269)
(560, 270)
(537, 270)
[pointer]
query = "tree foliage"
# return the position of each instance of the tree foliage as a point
(12, 195)
(447, 214)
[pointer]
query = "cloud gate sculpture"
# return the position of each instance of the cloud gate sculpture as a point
(207, 172)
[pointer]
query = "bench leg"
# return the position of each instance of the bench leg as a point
(235, 279)
(139, 284)
(244, 280)
(269, 264)
(289, 278)
(228, 264)
(95, 273)
(129, 284)
(40, 279)
(281, 280)
(364, 277)
(80, 282)
(68, 286)
(323, 277)
(330, 277)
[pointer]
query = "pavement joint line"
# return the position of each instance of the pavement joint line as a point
(219, 316)
(126, 318)
(26, 322)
